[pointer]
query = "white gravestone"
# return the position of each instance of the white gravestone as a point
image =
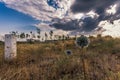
(10, 47)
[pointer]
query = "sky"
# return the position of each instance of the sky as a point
(12, 20)
(62, 16)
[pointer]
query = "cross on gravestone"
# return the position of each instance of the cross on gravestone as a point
(10, 47)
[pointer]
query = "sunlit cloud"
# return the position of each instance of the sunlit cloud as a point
(111, 29)
(112, 9)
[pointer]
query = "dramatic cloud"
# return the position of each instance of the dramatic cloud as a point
(85, 24)
(95, 11)
(66, 24)
(99, 6)
(111, 29)
(42, 10)
(39, 9)
(76, 16)
(87, 5)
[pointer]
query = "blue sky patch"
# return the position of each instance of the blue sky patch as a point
(53, 3)
(12, 20)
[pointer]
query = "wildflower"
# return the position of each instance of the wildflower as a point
(68, 52)
(82, 41)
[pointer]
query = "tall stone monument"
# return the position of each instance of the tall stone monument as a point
(10, 47)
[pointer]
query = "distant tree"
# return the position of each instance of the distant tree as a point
(31, 32)
(63, 37)
(108, 37)
(46, 36)
(14, 33)
(68, 37)
(38, 36)
(22, 35)
(51, 34)
(27, 35)
(91, 38)
(99, 36)
(38, 31)
(59, 37)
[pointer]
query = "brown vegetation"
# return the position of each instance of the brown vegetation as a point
(48, 61)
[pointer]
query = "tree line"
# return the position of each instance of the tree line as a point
(46, 36)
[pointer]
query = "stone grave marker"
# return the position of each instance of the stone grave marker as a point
(10, 47)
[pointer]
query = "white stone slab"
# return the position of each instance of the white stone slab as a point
(10, 47)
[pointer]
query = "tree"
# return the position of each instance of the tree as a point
(59, 37)
(38, 31)
(46, 36)
(22, 35)
(51, 34)
(27, 35)
(31, 32)
(92, 38)
(38, 36)
(15, 33)
(99, 37)
(63, 37)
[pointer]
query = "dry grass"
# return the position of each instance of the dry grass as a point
(48, 61)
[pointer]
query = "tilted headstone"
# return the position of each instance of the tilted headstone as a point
(10, 47)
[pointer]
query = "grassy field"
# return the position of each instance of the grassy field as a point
(48, 61)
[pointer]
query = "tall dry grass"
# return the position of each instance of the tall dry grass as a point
(48, 61)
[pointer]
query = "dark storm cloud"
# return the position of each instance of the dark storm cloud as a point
(66, 25)
(99, 6)
(88, 23)
(87, 5)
